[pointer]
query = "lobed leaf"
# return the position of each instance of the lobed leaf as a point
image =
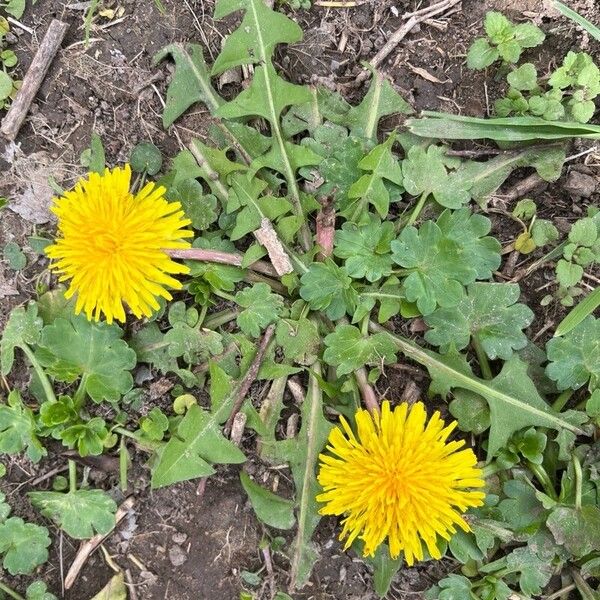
(70, 349)
(80, 513)
(575, 357)
(490, 313)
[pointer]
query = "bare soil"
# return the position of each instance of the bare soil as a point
(185, 543)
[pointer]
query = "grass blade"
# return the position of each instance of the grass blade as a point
(509, 129)
(575, 16)
(586, 307)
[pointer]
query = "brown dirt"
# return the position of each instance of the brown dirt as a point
(113, 88)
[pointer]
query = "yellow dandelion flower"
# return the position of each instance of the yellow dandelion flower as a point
(398, 478)
(111, 245)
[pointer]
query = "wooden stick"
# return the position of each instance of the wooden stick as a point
(250, 376)
(33, 79)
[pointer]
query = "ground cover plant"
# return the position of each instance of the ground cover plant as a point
(305, 243)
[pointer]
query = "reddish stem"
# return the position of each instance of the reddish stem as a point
(225, 258)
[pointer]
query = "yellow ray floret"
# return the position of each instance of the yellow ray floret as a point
(398, 480)
(111, 245)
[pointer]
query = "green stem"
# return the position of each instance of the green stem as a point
(72, 476)
(223, 295)
(482, 358)
(144, 444)
(364, 326)
(220, 318)
(123, 463)
(562, 400)
(202, 316)
(417, 209)
(578, 480)
(491, 469)
(79, 397)
(543, 478)
(10, 592)
(48, 390)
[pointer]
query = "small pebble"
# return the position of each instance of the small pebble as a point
(179, 537)
(177, 556)
(580, 184)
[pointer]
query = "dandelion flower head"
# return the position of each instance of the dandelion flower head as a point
(111, 245)
(398, 479)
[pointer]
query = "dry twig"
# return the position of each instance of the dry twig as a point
(250, 376)
(421, 15)
(33, 79)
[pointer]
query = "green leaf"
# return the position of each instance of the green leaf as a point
(512, 396)
(370, 188)
(151, 347)
(481, 54)
(327, 287)
(424, 172)
(365, 248)
(299, 340)
(535, 571)
(453, 587)
(384, 568)
(490, 313)
(21, 331)
(302, 455)
(528, 35)
(470, 410)
(511, 129)
(543, 232)
(575, 358)
(89, 437)
(155, 424)
(193, 449)
(186, 339)
(97, 162)
(14, 256)
(586, 307)
(271, 509)
(24, 545)
(498, 27)
(16, 8)
(254, 41)
(261, 307)
(80, 513)
(244, 194)
(444, 256)
(38, 591)
(115, 589)
(348, 350)
(523, 78)
(380, 101)
(578, 530)
(583, 232)
(146, 158)
(568, 274)
(190, 84)
(74, 348)
(510, 51)
(6, 85)
(199, 207)
(521, 508)
(18, 429)
(267, 96)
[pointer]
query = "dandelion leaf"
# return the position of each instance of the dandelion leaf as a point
(190, 84)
